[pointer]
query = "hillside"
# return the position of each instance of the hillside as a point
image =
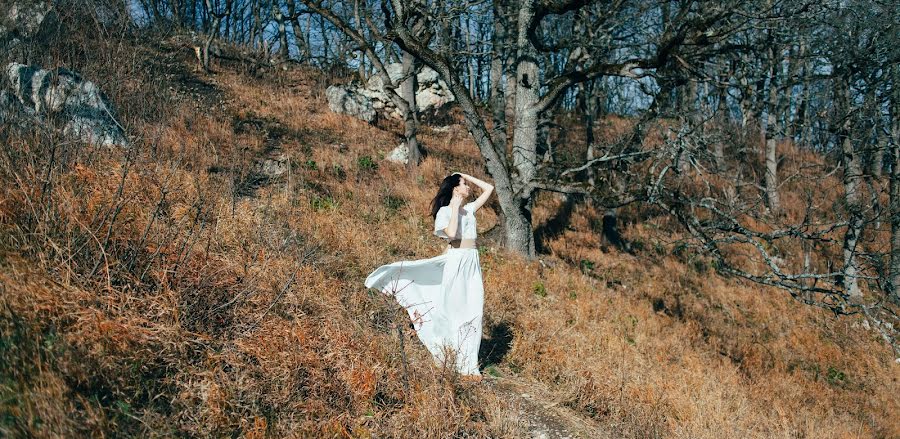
(208, 282)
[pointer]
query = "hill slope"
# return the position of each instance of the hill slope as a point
(209, 282)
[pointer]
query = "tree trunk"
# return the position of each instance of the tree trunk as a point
(525, 133)
(210, 34)
(771, 160)
(895, 212)
(688, 100)
(256, 29)
(876, 161)
(307, 37)
(470, 62)
(515, 214)
(497, 96)
(278, 15)
(803, 129)
(228, 20)
(525, 136)
(361, 68)
(851, 178)
(324, 34)
(410, 114)
(723, 119)
(177, 16)
(895, 187)
(748, 97)
(299, 40)
(796, 71)
(510, 18)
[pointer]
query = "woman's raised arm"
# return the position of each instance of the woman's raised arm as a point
(486, 190)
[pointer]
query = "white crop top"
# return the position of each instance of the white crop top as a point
(465, 228)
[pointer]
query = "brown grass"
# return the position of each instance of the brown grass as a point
(211, 312)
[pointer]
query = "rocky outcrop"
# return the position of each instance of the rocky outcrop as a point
(37, 95)
(21, 22)
(342, 99)
(355, 100)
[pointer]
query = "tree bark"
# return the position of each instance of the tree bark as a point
(210, 33)
(410, 113)
(498, 67)
(723, 118)
(894, 272)
(361, 68)
(324, 39)
(797, 69)
(256, 29)
(851, 178)
(525, 133)
(299, 39)
(278, 15)
(771, 160)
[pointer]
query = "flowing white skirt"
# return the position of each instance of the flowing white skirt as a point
(444, 297)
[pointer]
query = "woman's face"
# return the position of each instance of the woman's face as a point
(462, 189)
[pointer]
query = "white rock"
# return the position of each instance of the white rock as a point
(400, 154)
(427, 76)
(344, 101)
(428, 100)
(431, 94)
(27, 17)
(40, 93)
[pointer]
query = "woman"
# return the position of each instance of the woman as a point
(444, 295)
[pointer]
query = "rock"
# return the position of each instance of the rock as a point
(26, 17)
(395, 72)
(63, 94)
(273, 167)
(429, 76)
(400, 154)
(431, 95)
(23, 20)
(430, 100)
(344, 101)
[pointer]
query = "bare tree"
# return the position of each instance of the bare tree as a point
(518, 173)
(894, 111)
(211, 32)
(771, 154)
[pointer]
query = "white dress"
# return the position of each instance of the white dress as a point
(443, 295)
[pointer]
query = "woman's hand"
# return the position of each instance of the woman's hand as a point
(456, 201)
(486, 190)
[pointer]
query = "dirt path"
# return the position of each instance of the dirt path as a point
(542, 413)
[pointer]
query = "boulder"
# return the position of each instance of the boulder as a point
(40, 94)
(432, 94)
(400, 154)
(344, 101)
(26, 17)
(395, 72)
(431, 99)
(22, 21)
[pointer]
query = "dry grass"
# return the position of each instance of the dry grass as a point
(158, 294)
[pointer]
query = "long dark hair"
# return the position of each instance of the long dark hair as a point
(444, 194)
